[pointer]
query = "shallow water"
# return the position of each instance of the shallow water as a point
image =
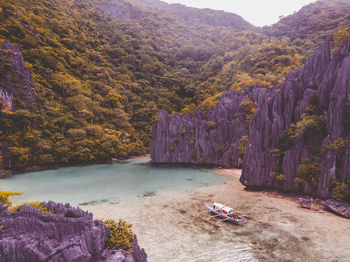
(113, 183)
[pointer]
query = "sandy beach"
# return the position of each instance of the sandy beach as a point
(168, 228)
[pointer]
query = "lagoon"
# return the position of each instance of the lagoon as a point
(103, 183)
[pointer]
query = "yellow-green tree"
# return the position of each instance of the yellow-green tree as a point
(120, 236)
(342, 37)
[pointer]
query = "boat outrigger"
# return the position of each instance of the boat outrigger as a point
(223, 212)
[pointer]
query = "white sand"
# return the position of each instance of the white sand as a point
(168, 228)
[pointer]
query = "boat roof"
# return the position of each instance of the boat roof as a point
(223, 207)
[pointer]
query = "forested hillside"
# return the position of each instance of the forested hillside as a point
(101, 70)
(309, 27)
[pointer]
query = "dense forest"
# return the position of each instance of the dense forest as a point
(101, 70)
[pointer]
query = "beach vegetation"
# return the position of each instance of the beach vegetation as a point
(120, 235)
(5, 197)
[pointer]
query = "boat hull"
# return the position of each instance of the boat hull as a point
(227, 218)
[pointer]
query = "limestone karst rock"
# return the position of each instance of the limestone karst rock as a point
(313, 104)
(65, 234)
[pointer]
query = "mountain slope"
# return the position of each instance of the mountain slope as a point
(309, 27)
(103, 69)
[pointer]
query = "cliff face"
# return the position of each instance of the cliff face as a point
(30, 235)
(15, 80)
(215, 137)
(313, 105)
(16, 84)
(298, 138)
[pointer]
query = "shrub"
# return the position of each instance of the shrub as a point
(340, 191)
(341, 37)
(248, 109)
(285, 141)
(5, 197)
(309, 170)
(338, 146)
(281, 178)
(177, 140)
(194, 154)
(299, 181)
(202, 159)
(209, 103)
(221, 149)
(171, 149)
(210, 125)
(242, 146)
(120, 235)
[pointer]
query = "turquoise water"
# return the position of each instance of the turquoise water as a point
(124, 181)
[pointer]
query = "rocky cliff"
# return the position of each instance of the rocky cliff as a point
(298, 138)
(15, 80)
(216, 137)
(65, 234)
(16, 88)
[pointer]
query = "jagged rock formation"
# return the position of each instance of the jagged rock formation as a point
(316, 99)
(66, 234)
(303, 123)
(338, 207)
(15, 80)
(212, 138)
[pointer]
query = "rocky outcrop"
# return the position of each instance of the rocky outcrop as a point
(338, 208)
(302, 125)
(15, 84)
(65, 234)
(15, 80)
(315, 102)
(212, 138)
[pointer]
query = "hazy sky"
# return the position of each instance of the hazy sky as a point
(257, 12)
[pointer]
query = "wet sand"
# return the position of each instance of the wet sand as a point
(168, 228)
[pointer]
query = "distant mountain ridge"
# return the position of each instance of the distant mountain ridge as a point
(136, 9)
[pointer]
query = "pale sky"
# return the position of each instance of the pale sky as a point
(257, 12)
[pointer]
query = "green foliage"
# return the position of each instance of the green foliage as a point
(120, 235)
(171, 149)
(281, 178)
(339, 145)
(177, 140)
(340, 191)
(99, 81)
(221, 149)
(319, 20)
(309, 171)
(309, 124)
(341, 37)
(194, 154)
(242, 146)
(209, 102)
(202, 159)
(210, 125)
(285, 141)
(248, 109)
(5, 197)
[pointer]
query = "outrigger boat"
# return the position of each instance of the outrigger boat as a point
(223, 212)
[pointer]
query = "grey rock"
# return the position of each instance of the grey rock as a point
(324, 77)
(14, 78)
(66, 234)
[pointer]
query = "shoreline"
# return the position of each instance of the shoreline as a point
(317, 204)
(9, 172)
(279, 229)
